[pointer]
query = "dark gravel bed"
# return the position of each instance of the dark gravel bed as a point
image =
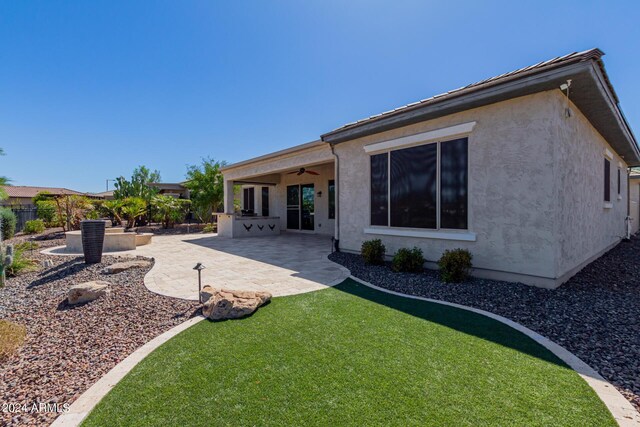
(595, 315)
(67, 349)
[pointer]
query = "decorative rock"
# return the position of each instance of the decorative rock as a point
(119, 267)
(87, 291)
(206, 293)
(47, 263)
(230, 304)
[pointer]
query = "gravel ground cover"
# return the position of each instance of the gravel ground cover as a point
(67, 349)
(595, 315)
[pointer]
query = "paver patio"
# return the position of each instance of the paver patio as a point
(283, 265)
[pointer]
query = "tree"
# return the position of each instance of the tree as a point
(138, 186)
(3, 181)
(169, 210)
(206, 186)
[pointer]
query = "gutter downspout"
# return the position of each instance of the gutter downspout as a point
(628, 219)
(336, 232)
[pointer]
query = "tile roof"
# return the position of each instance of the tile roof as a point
(587, 55)
(31, 192)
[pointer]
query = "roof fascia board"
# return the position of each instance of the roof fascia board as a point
(497, 93)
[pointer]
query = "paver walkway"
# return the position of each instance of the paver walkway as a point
(283, 265)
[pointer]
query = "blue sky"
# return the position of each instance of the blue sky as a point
(89, 90)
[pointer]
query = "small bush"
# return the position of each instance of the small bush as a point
(34, 227)
(11, 337)
(373, 251)
(408, 260)
(209, 228)
(455, 265)
(8, 223)
(27, 246)
(46, 211)
(20, 263)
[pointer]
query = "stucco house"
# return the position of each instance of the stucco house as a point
(21, 196)
(528, 170)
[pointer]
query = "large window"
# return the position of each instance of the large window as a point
(421, 187)
(607, 180)
(379, 189)
(332, 199)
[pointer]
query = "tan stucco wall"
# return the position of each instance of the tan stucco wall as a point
(512, 189)
(585, 228)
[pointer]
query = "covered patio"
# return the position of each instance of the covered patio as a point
(283, 265)
(292, 190)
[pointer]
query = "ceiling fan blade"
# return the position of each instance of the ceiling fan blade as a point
(312, 173)
(291, 173)
(300, 173)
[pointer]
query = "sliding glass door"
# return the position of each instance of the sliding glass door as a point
(300, 207)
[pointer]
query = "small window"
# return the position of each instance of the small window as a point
(248, 199)
(607, 180)
(265, 201)
(619, 183)
(332, 199)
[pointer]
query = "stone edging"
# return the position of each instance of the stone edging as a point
(621, 409)
(79, 409)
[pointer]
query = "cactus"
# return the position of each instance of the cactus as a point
(6, 259)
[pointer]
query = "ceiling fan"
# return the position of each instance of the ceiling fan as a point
(303, 170)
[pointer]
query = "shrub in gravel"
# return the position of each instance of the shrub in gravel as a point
(20, 263)
(408, 260)
(8, 223)
(455, 265)
(11, 337)
(209, 228)
(35, 226)
(373, 251)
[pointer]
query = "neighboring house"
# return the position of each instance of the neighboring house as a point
(527, 170)
(176, 190)
(106, 195)
(22, 195)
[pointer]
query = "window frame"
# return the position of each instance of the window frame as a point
(438, 232)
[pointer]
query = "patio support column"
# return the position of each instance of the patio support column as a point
(228, 197)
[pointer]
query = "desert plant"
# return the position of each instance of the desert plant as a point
(455, 265)
(7, 223)
(408, 260)
(34, 226)
(206, 186)
(15, 262)
(373, 251)
(131, 209)
(12, 336)
(71, 210)
(209, 228)
(169, 210)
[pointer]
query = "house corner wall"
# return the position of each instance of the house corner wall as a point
(585, 227)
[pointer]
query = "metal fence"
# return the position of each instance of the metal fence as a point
(23, 215)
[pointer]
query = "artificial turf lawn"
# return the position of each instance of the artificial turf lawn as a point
(351, 355)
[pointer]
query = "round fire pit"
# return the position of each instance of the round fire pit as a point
(92, 240)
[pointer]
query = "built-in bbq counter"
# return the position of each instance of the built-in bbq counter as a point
(232, 225)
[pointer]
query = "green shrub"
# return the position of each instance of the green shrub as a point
(209, 228)
(46, 211)
(27, 246)
(8, 223)
(35, 226)
(408, 260)
(455, 265)
(373, 251)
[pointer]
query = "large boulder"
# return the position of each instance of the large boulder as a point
(230, 304)
(119, 267)
(207, 292)
(88, 291)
